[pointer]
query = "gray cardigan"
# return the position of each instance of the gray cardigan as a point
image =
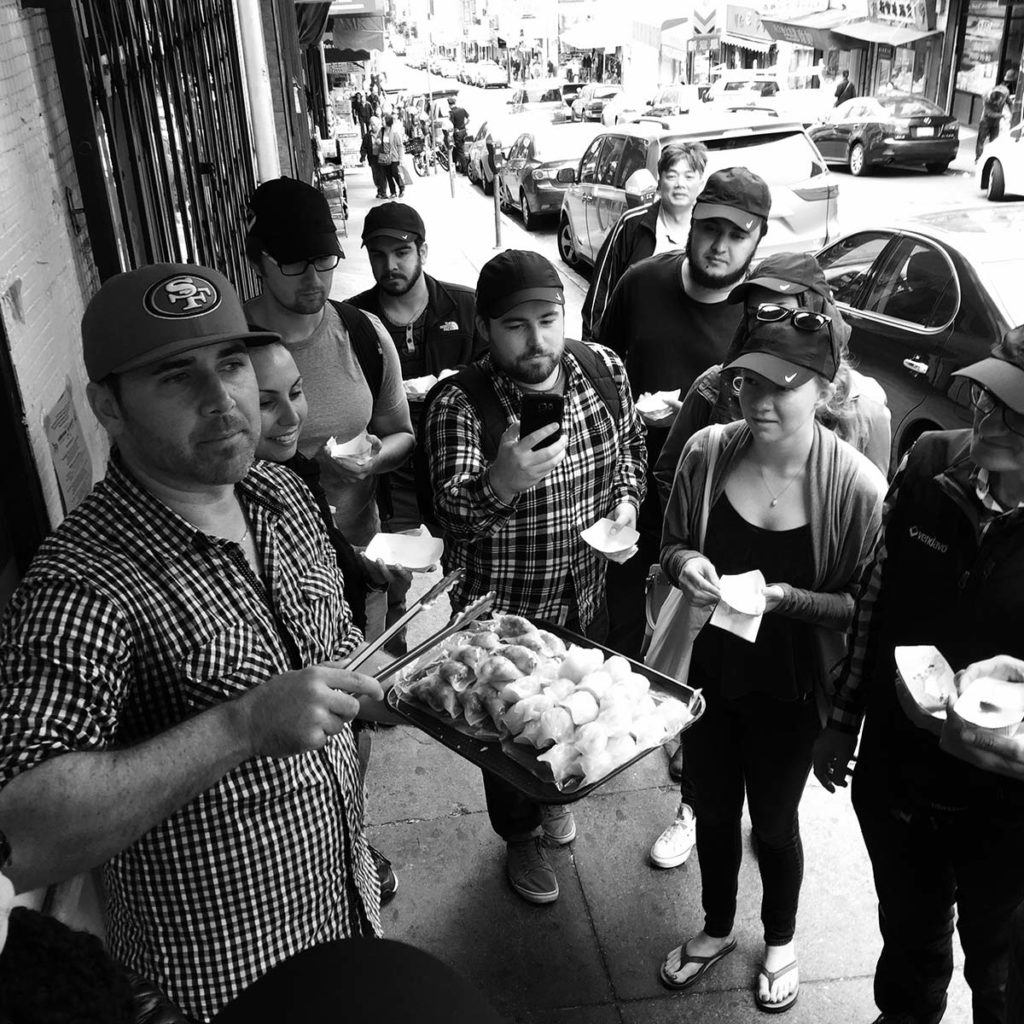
(845, 519)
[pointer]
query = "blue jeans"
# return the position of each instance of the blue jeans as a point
(926, 863)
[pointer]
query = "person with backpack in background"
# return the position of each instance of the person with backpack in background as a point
(512, 507)
(351, 371)
(844, 90)
(997, 105)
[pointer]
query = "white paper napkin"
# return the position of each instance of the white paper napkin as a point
(742, 604)
(418, 550)
(600, 536)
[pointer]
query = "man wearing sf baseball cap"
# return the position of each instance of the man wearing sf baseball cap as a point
(141, 656)
(158, 311)
(513, 277)
(511, 501)
(736, 194)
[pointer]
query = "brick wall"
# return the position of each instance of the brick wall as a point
(46, 272)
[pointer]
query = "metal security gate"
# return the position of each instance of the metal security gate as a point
(167, 105)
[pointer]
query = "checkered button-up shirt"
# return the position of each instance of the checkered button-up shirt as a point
(129, 621)
(529, 551)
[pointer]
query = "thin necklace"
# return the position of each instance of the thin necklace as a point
(792, 480)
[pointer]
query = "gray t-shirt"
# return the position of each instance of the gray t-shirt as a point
(341, 406)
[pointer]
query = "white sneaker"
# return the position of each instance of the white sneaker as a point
(673, 846)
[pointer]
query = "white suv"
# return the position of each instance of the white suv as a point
(619, 170)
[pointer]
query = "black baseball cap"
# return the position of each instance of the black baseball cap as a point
(786, 356)
(293, 221)
(396, 220)
(787, 272)
(515, 276)
(736, 194)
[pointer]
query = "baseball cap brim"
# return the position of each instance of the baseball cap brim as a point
(1005, 380)
(507, 302)
(773, 284)
(174, 348)
(741, 218)
(780, 372)
(293, 250)
(402, 236)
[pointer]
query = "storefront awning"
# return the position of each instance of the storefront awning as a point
(359, 32)
(882, 32)
(756, 45)
(813, 30)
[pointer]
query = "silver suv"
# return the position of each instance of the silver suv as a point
(619, 170)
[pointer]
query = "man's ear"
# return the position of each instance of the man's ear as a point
(423, 251)
(483, 327)
(106, 407)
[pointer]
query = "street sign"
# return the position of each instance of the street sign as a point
(703, 18)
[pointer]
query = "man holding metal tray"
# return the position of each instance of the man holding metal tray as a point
(512, 516)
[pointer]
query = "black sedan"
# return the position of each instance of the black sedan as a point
(923, 299)
(890, 128)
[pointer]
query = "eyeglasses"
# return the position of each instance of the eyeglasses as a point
(985, 402)
(296, 269)
(803, 319)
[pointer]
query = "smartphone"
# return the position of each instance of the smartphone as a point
(538, 410)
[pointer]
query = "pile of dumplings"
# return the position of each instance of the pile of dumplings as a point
(505, 676)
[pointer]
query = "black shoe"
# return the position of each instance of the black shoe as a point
(386, 875)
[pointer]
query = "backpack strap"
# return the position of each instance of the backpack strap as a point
(596, 370)
(365, 344)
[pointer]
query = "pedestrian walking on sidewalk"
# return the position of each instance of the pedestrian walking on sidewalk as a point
(997, 103)
(372, 144)
(392, 149)
(779, 493)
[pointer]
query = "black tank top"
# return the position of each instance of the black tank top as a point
(779, 662)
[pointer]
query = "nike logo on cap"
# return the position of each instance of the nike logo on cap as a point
(791, 377)
(748, 225)
(784, 287)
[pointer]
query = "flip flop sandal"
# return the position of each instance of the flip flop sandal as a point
(706, 963)
(771, 977)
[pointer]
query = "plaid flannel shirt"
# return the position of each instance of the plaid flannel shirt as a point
(129, 621)
(529, 551)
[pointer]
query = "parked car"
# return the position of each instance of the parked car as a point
(590, 101)
(890, 128)
(466, 71)
(925, 298)
(449, 68)
(492, 135)
(529, 180)
(569, 91)
(1000, 170)
(674, 99)
(759, 82)
(619, 170)
(540, 95)
(623, 108)
(489, 73)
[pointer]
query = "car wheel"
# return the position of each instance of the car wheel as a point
(566, 246)
(996, 182)
(529, 217)
(936, 168)
(858, 160)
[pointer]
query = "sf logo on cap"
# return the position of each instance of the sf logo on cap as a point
(181, 296)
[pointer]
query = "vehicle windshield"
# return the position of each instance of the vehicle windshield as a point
(909, 106)
(1003, 280)
(781, 158)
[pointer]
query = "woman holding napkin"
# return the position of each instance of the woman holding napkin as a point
(779, 493)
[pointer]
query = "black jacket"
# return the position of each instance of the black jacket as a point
(633, 239)
(944, 584)
(450, 338)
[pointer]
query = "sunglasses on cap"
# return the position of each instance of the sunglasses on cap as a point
(803, 319)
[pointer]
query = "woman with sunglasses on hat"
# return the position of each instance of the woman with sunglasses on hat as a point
(945, 836)
(789, 498)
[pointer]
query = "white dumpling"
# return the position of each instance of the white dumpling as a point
(497, 669)
(564, 761)
(618, 667)
(555, 726)
(580, 662)
(598, 683)
(596, 766)
(560, 688)
(622, 748)
(591, 738)
(643, 706)
(548, 669)
(636, 685)
(528, 686)
(674, 713)
(582, 706)
(617, 718)
(530, 734)
(649, 731)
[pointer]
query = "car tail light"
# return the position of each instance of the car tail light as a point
(897, 130)
(816, 193)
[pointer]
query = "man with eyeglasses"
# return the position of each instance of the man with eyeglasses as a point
(945, 837)
(350, 368)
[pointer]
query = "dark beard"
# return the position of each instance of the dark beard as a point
(715, 282)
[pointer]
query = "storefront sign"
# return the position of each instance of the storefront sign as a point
(703, 44)
(886, 52)
(905, 13)
(798, 34)
(745, 22)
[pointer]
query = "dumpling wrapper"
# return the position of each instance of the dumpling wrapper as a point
(563, 760)
(580, 662)
(598, 683)
(473, 708)
(617, 718)
(582, 706)
(596, 766)
(994, 704)
(591, 738)
(496, 670)
(618, 667)
(520, 689)
(644, 706)
(674, 713)
(622, 749)
(560, 688)
(530, 735)
(417, 551)
(610, 537)
(649, 731)
(555, 727)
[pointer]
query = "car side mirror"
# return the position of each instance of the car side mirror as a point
(566, 176)
(641, 182)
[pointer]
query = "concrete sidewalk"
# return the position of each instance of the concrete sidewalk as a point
(592, 957)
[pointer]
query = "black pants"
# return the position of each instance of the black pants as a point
(988, 128)
(514, 815)
(393, 178)
(1015, 981)
(761, 747)
(925, 864)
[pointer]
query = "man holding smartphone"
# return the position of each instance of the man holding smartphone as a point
(572, 452)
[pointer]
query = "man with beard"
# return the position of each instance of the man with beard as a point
(174, 706)
(669, 318)
(347, 359)
(512, 516)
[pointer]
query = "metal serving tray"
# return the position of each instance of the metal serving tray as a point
(517, 764)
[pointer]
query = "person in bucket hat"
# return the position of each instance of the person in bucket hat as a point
(175, 711)
(944, 832)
